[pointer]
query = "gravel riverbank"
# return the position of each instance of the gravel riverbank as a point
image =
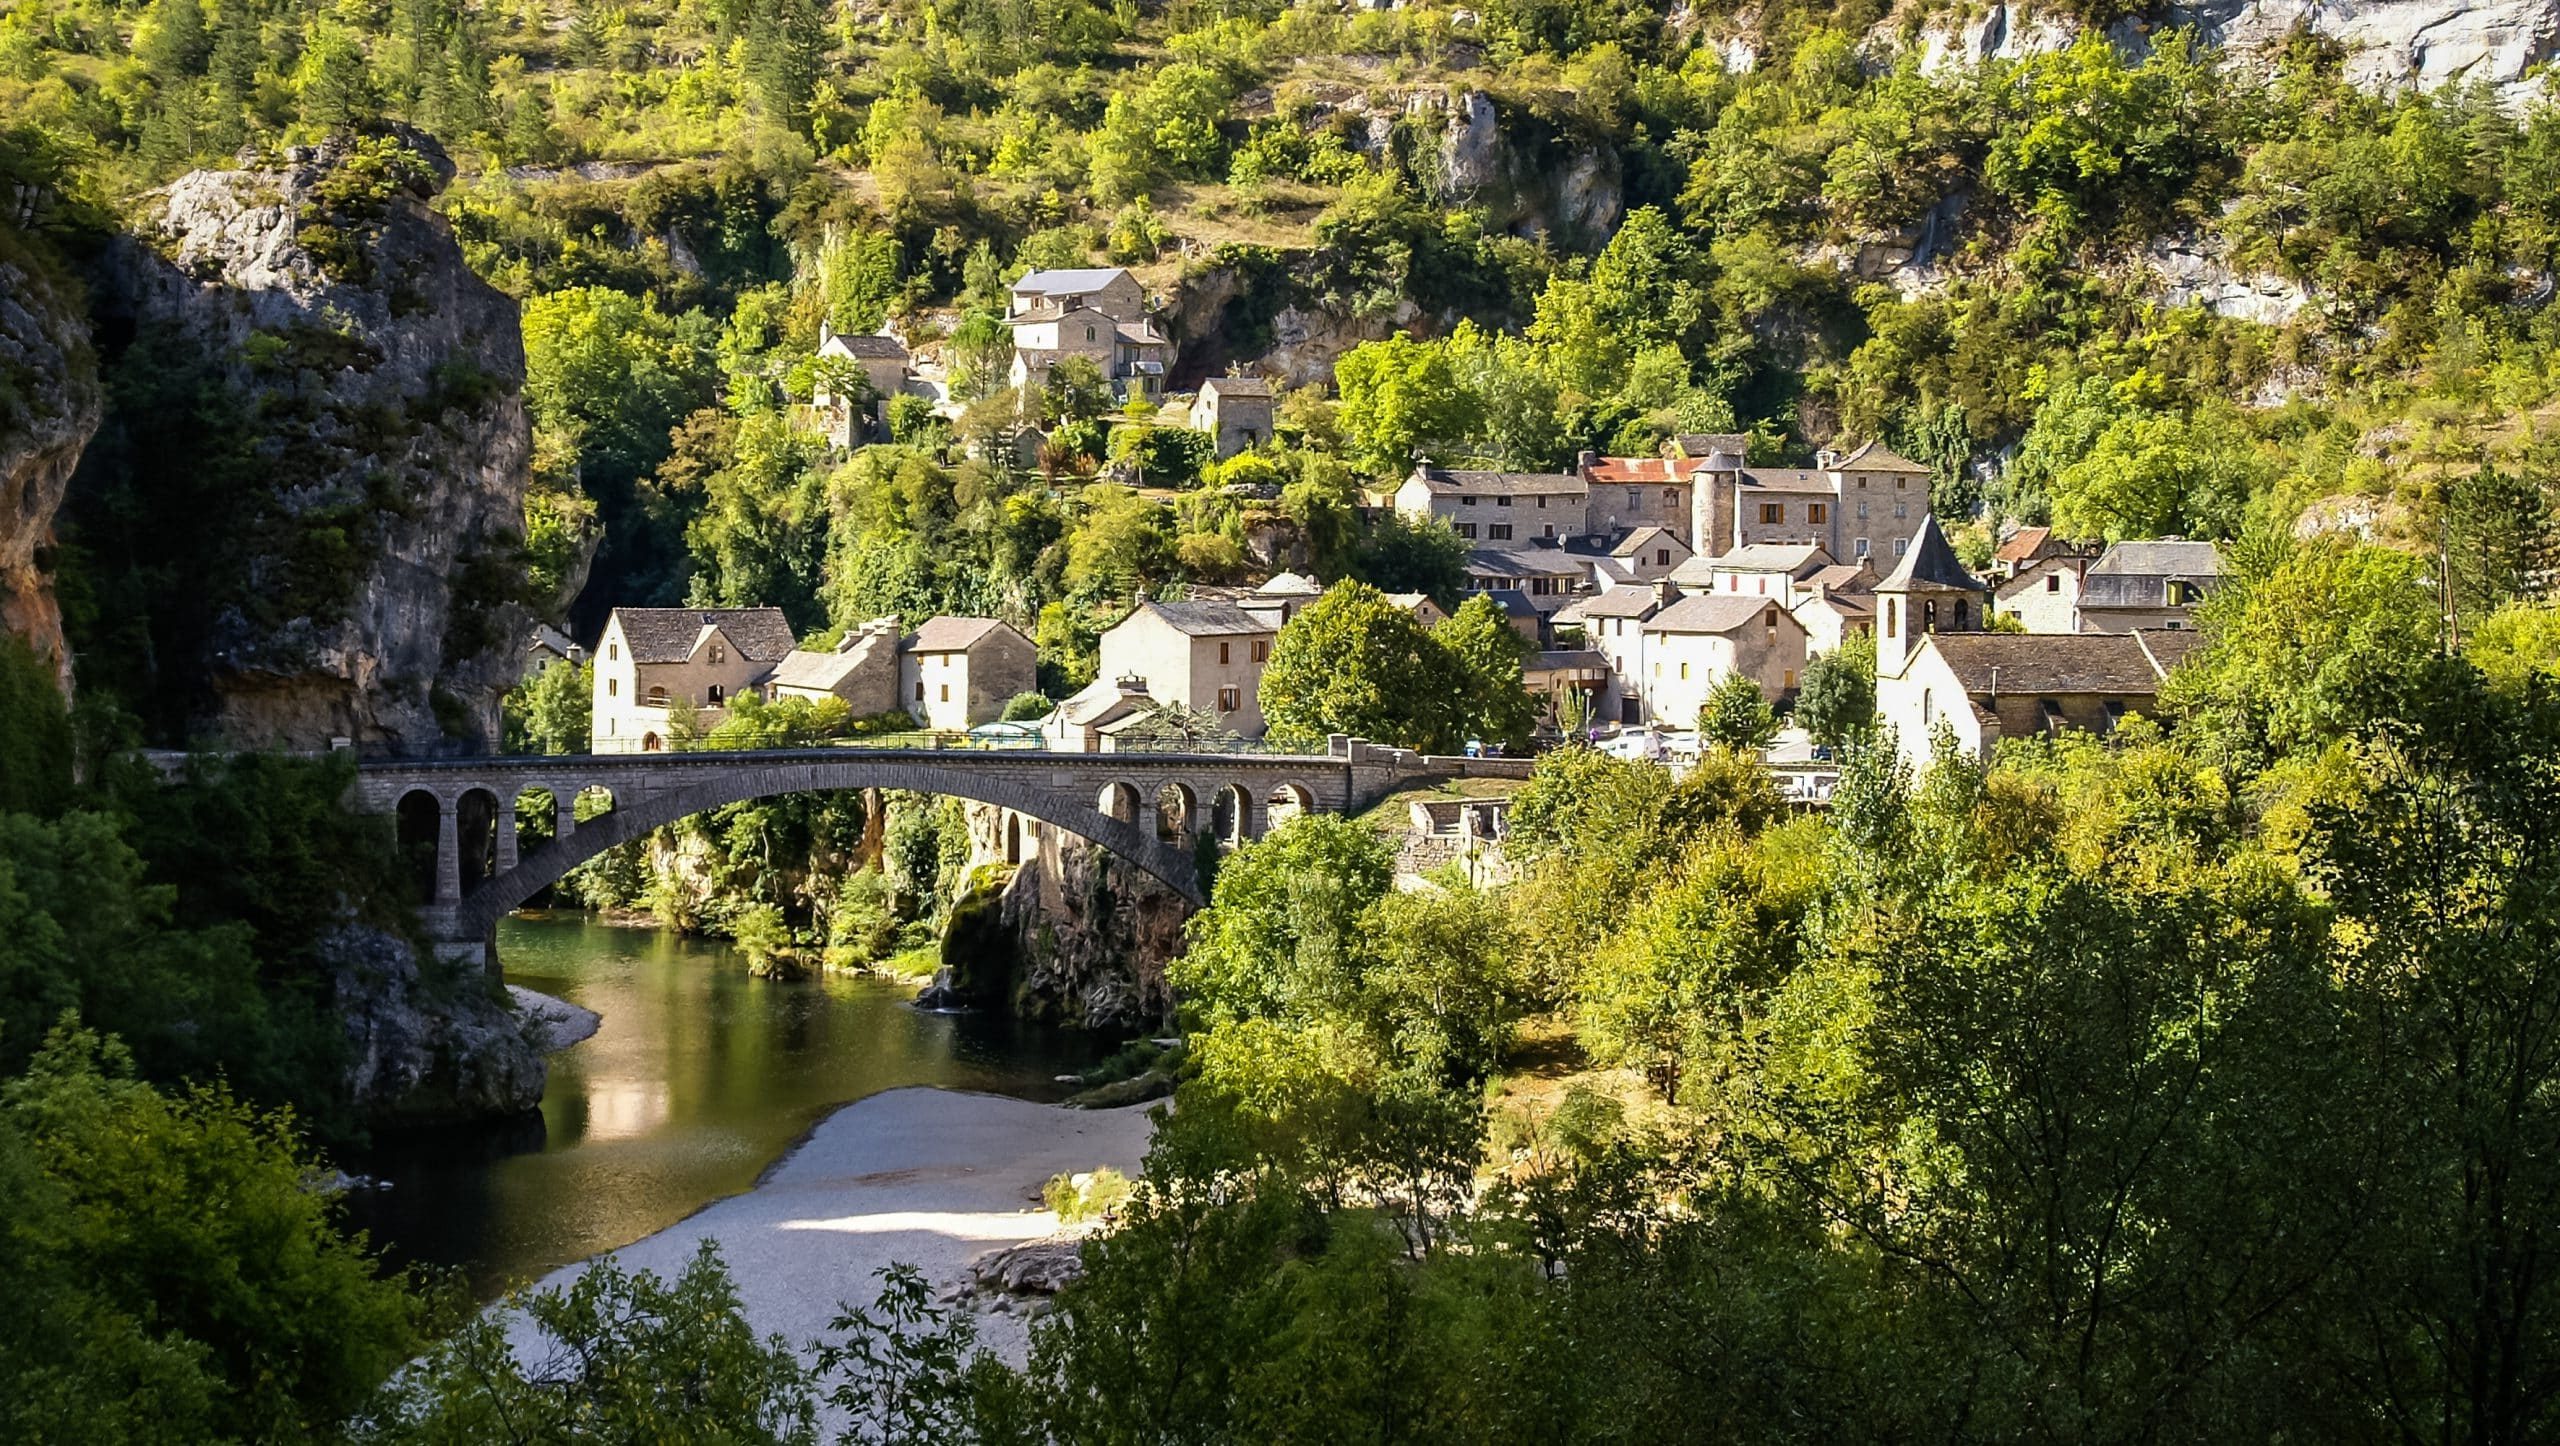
(930, 1177)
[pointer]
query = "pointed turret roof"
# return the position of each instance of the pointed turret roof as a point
(1930, 563)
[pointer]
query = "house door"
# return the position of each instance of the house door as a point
(1630, 710)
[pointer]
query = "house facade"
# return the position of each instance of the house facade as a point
(1699, 641)
(2044, 594)
(1987, 687)
(1130, 353)
(882, 361)
(1209, 656)
(955, 673)
(1111, 290)
(652, 663)
(1497, 508)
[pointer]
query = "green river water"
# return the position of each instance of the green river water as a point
(700, 1078)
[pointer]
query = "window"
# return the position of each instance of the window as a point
(1862, 548)
(1862, 509)
(1684, 671)
(719, 654)
(1550, 530)
(1764, 584)
(1929, 615)
(1466, 529)
(1261, 650)
(1088, 333)
(1252, 438)
(1499, 532)
(1635, 499)
(1901, 482)
(1773, 512)
(919, 690)
(657, 697)
(1670, 498)
(613, 687)
(1817, 513)
(613, 651)
(1223, 650)
(1662, 557)
(1466, 502)
(1769, 626)
(1892, 617)
(1503, 501)
(1542, 504)
(719, 694)
(1928, 712)
(1230, 698)
(1901, 510)
(1862, 484)
(2053, 582)
(1790, 677)
(1901, 545)
(946, 692)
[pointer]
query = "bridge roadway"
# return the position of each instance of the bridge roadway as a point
(1108, 798)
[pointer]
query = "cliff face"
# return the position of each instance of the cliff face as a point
(50, 404)
(364, 578)
(1084, 937)
(424, 1047)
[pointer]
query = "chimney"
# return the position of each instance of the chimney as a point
(1826, 459)
(826, 332)
(1665, 592)
(1585, 461)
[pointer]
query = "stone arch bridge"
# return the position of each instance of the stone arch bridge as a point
(1147, 808)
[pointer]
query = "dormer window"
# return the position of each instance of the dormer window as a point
(719, 654)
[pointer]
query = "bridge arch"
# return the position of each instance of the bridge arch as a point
(1134, 839)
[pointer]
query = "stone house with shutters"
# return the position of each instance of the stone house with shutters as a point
(1700, 640)
(1498, 509)
(2137, 585)
(1612, 625)
(955, 673)
(653, 662)
(881, 359)
(2043, 594)
(1209, 656)
(1111, 290)
(1130, 353)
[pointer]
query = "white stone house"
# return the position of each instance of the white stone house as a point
(653, 662)
(1699, 641)
(1612, 626)
(1986, 687)
(955, 673)
(1209, 656)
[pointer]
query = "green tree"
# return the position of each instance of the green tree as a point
(1838, 699)
(1487, 654)
(1401, 399)
(1737, 715)
(1354, 662)
(551, 711)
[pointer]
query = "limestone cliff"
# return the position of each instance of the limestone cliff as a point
(427, 1045)
(361, 562)
(49, 409)
(1075, 935)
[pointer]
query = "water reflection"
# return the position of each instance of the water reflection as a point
(699, 1078)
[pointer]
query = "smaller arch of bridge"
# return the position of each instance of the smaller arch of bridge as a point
(1285, 801)
(1118, 801)
(1232, 814)
(1177, 812)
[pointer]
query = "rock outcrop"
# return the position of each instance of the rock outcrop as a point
(1074, 935)
(50, 404)
(381, 383)
(428, 1045)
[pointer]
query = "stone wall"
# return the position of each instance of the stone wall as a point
(1088, 935)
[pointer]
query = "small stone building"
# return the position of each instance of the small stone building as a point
(1209, 656)
(1699, 641)
(1234, 410)
(958, 672)
(652, 662)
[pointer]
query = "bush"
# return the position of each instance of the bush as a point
(1091, 1195)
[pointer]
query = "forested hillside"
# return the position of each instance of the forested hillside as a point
(2134, 289)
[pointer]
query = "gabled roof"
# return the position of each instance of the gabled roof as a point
(1796, 559)
(1618, 602)
(1073, 281)
(2169, 647)
(1644, 537)
(1877, 457)
(1711, 613)
(1445, 481)
(1236, 387)
(1413, 602)
(2023, 544)
(669, 635)
(951, 634)
(2050, 663)
(865, 348)
(1843, 577)
(1102, 700)
(1514, 603)
(2027, 577)
(1930, 563)
(1290, 584)
(1205, 619)
(2159, 559)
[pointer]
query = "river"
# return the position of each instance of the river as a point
(700, 1077)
